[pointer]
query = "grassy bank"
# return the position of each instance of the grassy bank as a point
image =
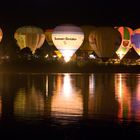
(71, 67)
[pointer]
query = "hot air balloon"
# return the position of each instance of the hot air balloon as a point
(126, 33)
(107, 42)
(67, 39)
(136, 40)
(29, 36)
(1, 34)
(87, 29)
(48, 35)
(92, 40)
(86, 47)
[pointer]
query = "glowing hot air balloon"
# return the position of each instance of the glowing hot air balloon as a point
(87, 29)
(29, 36)
(126, 33)
(107, 41)
(1, 34)
(86, 47)
(136, 40)
(48, 35)
(67, 39)
(92, 40)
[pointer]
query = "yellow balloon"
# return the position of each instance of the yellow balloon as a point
(107, 41)
(48, 35)
(29, 36)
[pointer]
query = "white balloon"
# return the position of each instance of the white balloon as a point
(67, 39)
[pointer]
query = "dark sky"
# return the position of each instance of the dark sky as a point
(49, 13)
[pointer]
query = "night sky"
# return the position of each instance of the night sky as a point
(49, 13)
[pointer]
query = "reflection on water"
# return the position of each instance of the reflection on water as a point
(104, 101)
(30, 104)
(70, 97)
(67, 99)
(0, 107)
(123, 96)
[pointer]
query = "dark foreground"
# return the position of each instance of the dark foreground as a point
(83, 130)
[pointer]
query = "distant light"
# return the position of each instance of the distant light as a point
(92, 56)
(46, 56)
(5, 57)
(54, 56)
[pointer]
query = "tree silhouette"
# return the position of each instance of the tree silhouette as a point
(26, 53)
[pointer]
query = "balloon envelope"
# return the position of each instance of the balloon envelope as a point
(126, 33)
(86, 46)
(29, 36)
(67, 39)
(136, 40)
(87, 29)
(92, 40)
(48, 35)
(107, 41)
(1, 34)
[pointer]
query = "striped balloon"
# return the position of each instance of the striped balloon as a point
(126, 33)
(29, 36)
(136, 40)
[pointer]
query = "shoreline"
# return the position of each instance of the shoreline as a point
(57, 67)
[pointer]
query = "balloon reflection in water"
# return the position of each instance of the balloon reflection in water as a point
(123, 96)
(29, 105)
(0, 107)
(67, 100)
(136, 101)
(91, 94)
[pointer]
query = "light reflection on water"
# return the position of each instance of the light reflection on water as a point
(70, 97)
(123, 96)
(66, 100)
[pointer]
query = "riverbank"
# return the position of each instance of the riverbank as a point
(58, 67)
(71, 67)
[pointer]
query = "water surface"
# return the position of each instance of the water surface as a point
(67, 98)
(70, 105)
